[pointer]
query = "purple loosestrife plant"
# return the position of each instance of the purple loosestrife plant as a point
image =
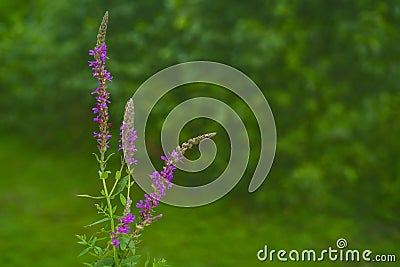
(115, 243)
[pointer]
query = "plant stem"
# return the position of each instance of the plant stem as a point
(116, 181)
(107, 195)
(129, 187)
(110, 211)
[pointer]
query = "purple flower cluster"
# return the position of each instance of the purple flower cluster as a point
(123, 228)
(102, 95)
(161, 180)
(147, 204)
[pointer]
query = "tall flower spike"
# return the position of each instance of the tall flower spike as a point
(128, 135)
(102, 95)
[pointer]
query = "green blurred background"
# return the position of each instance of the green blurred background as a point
(329, 70)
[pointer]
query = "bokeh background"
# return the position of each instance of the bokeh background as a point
(329, 70)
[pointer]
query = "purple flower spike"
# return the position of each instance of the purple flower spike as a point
(102, 95)
(161, 180)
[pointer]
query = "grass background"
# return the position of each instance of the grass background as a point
(40, 215)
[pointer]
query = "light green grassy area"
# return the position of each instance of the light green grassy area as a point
(40, 214)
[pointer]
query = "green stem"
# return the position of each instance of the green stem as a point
(129, 187)
(110, 211)
(116, 181)
(107, 195)
(113, 188)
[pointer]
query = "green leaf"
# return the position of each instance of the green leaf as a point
(97, 157)
(147, 261)
(107, 262)
(82, 239)
(88, 196)
(132, 249)
(123, 242)
(104, 175)
(121, 185)
(122, 199)
(99, 221)
(98, 250)
(109, 156)
(83, 252)
(117, 175)
(132, 246)
(131, 261)
(160, 263)
(93, 241)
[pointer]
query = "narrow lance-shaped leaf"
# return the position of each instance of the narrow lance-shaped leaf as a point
(122, 199)
(88, 196)
(121, 185)
(83, 252)
(99, 221)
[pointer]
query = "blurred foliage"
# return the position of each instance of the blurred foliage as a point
(329, 70)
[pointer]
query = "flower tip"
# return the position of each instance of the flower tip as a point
(211, 135)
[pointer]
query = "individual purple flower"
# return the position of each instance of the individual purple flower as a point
(102, 95)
